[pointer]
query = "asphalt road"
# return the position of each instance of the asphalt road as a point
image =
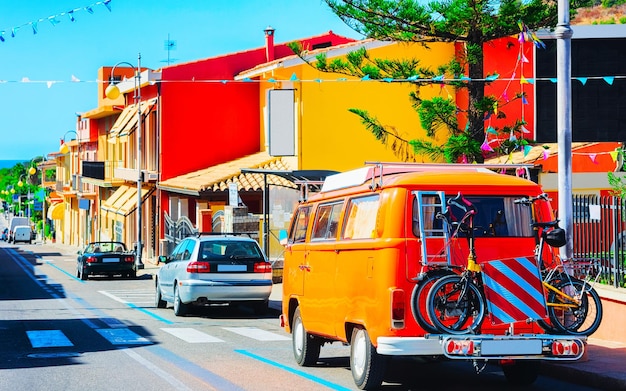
(60, 333)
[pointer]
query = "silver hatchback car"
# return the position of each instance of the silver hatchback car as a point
(214, 269)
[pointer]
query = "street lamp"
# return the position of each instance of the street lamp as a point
(64, 149)
(112, 92)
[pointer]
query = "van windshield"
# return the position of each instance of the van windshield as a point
(497, 216)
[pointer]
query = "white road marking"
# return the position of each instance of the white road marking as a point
(177, 384)
(191, 335)
(258, 334)
(123, 337)
(48, 338)
(137, 297)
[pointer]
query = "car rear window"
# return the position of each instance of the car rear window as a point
(230, 249)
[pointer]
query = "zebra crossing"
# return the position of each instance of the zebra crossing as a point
(124, 336)
(118, 333)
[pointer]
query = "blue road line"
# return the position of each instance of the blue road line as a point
(149, 313)
(64, 272)
(305, 375)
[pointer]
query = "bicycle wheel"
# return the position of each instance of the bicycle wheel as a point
(455, 306)
(419, 295)
(580, 317)
(545, 325)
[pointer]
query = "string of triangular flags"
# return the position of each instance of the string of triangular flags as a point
(53, 19)
(294, 78)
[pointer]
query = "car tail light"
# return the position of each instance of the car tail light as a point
(565, 348)
(129, 259)
(91, 259)
(199, 267)
(262, 267)
(397, 309)
(460, 348)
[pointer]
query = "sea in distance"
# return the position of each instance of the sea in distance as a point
(11, 163)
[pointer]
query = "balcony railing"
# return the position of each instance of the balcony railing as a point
(95, 170)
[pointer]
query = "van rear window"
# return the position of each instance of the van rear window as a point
(361, 217)
(496, 217)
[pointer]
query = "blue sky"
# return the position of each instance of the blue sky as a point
(35, 113)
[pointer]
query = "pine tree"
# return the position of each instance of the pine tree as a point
(471, 23)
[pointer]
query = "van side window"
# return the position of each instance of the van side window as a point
(326, 221)
(300, 224)
(361, 216)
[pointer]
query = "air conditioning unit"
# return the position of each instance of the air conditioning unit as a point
(151, 176)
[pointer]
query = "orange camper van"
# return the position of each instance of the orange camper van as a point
(361, 254)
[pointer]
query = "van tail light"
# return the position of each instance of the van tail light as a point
(129, 259)
(397, 308)
(91, 259)
(460, 348)
(262, 267)
(199, 267)
(565, 348)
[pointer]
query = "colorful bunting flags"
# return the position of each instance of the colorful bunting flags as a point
(53, 19)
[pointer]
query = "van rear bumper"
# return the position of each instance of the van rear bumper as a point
(530, 346)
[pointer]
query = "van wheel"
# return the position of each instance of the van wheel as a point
(522, 372)
(306, 347)
(367, 366)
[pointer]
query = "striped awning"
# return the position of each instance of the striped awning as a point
(123, 201)
(217, 178)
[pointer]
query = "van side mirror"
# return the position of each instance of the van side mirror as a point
(282, 237)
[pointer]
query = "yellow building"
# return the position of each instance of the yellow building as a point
(325, 134)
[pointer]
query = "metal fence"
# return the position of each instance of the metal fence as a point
(599, 236)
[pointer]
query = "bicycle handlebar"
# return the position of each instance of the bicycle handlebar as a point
(462, 203)
(531, 200)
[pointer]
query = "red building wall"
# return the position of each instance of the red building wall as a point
(207, 118)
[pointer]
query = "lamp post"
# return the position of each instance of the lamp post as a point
(112, 92)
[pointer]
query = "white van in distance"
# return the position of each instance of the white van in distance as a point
(22, 233)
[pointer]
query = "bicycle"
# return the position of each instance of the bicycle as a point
(574, 307)
(455, 303)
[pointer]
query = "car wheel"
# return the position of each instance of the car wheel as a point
(367, 366)
(158, 299)
(306, 347)
(180, 308)
(132, 274)
(83, 275)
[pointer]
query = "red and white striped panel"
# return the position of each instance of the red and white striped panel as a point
(513, 290)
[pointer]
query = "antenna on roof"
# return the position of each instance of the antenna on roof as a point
(169, 45)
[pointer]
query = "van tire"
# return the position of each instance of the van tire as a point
(367, 366)
(522, 372)
(306, 347)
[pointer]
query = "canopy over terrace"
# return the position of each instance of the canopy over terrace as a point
(252, 173)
